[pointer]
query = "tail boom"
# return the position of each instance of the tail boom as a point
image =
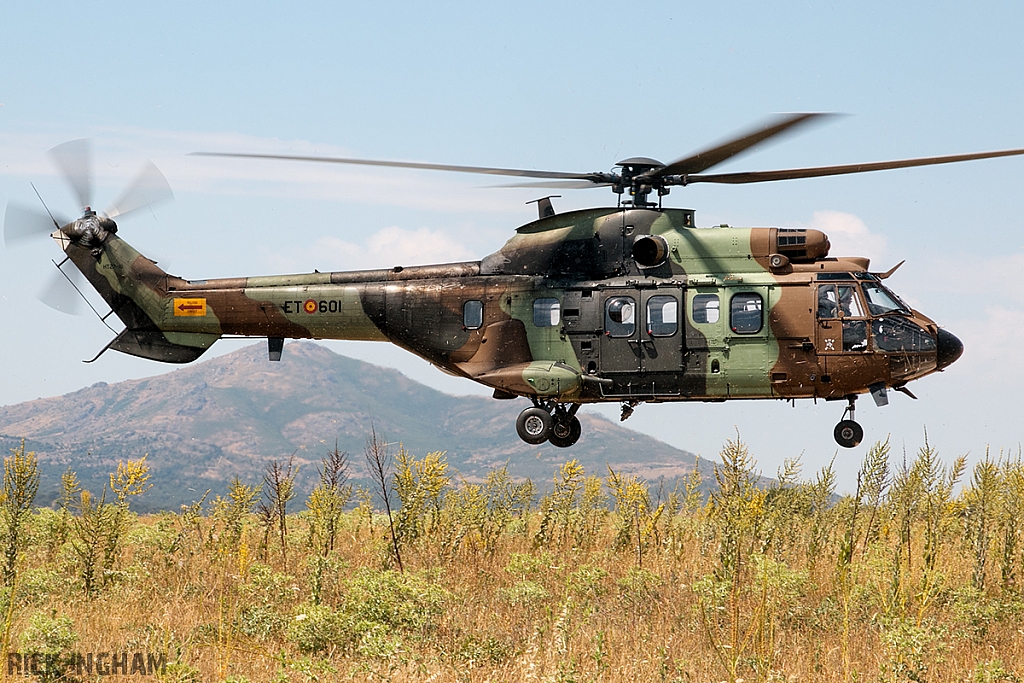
(174, 320)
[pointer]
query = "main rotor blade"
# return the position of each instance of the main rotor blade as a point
(597, 177)
(557, 185)
(74, 159)
(701, 161)
(149, 187)
(22, 224)
(819, 171)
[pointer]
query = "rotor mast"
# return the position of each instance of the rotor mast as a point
(635, 175)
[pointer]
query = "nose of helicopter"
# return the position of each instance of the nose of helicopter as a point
(949, 348)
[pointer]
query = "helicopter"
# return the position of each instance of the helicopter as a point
(631, 303)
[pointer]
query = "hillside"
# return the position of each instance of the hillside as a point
(230, 415)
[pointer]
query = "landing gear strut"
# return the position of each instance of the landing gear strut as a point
(848, 433)
(549, 421)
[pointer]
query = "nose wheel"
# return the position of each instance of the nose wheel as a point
(848, 432)
(549, 422)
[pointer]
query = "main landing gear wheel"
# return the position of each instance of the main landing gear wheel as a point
(848, 433)
(565, 433)
(534, 425)
(549, 421)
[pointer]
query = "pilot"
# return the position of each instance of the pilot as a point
(827, 301)
(845, 299)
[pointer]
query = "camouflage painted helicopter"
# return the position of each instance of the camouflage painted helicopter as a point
(630, 304)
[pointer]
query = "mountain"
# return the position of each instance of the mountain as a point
(229, 416)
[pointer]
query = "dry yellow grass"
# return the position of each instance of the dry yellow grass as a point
(762, 582)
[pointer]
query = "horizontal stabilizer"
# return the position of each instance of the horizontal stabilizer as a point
(152, 344)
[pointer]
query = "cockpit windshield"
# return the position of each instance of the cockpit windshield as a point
(881, 301)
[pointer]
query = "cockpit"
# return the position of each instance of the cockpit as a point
(856, 295)
(873, 318)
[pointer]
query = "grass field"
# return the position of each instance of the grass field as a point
(916, 577)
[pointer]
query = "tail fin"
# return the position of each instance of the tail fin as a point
(136, 289)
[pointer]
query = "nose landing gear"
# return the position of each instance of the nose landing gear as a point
(848, 433)
(552, 422)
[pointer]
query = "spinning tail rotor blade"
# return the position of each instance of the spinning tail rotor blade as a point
(22, 224)
(74, 159)
(149, 187)
(59, 292)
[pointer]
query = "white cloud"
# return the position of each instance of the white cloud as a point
(991, 343)
(385, 248)
(849, 236)
(1000, 272)
(118, 154)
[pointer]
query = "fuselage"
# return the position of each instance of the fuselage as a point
(613, 304)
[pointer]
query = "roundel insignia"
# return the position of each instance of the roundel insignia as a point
(309, 306)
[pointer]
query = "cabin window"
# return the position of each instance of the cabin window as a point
(473, 315)
(546, 312)
(662, 316)
(745, 313)
(705, 308)
(620, 316)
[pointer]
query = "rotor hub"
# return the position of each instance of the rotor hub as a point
(636, 165)
(638, 175)
(90, 230)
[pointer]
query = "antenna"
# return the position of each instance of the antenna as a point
(55, 223)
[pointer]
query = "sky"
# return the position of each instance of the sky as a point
(555, 86)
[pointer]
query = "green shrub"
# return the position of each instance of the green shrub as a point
(524, 565)
(993, 671)
(52, 637)
(35, 586)
(639, 586)
(525, 592)
(408, 602)
(378, 642)
(49, 635)
(317, 628)
(973, 613)
(474, 649)
(261, 622)
(588, 582)
(267, 587)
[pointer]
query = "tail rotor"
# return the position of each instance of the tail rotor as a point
(24, 224)
(63, 290)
